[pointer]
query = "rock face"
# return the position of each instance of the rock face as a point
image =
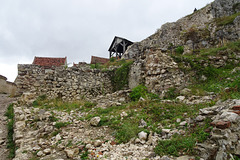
(67, 83)
(171, 34)
(222, 8)
(153, 64)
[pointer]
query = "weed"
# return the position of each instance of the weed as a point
(69, 144)
(84, 155)
(53, 119)
(226, 20)
(218, 79)
(179, 145)
(55, 133)
(89, 104)
(96, 66)
(175, 146)
(171, 93)
(112, 59)
(59, 125)
(179, 50)
(57, 104)
(10, 142)
(126, 131)
(119, 78)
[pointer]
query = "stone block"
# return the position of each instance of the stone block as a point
(221, 124)
(236, 108)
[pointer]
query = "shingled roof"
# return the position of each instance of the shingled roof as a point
(49, 61)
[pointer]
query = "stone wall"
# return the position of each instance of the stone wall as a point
(67, 83)
(7, 87)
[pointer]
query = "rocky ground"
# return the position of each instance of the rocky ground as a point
(50, 134)
(4, 102)
(38, 136)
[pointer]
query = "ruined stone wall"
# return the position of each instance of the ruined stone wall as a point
(68, 83)
(7, 87)
(157, 71)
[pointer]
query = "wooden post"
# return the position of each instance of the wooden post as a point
(124, 47)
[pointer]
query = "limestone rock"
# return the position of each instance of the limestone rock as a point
(200, 118)
(183, 123)
(185, 158)
(142, 123)
(97, 143)
(124, 114)
(166, 130)
(58, 137)
(142, 135)
(71, 153)
(88, 146)
(185, 91)
(180, 98)
(47, 151)
(40, 153)
(95, 121)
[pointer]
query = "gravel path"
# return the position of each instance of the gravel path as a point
(4, 102)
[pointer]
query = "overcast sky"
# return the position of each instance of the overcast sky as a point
(78, 28)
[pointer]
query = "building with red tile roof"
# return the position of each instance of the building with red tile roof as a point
(49, 61)
(95, 60)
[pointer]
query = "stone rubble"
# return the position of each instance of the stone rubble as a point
(225, 137)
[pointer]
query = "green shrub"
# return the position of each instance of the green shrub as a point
(96, 66)
(179, 50)
(141, 91)
(126, 131)
(119, 78)
(137, 92)
(112, 59)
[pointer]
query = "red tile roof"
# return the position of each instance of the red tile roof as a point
(49, 62)
(95, 60)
